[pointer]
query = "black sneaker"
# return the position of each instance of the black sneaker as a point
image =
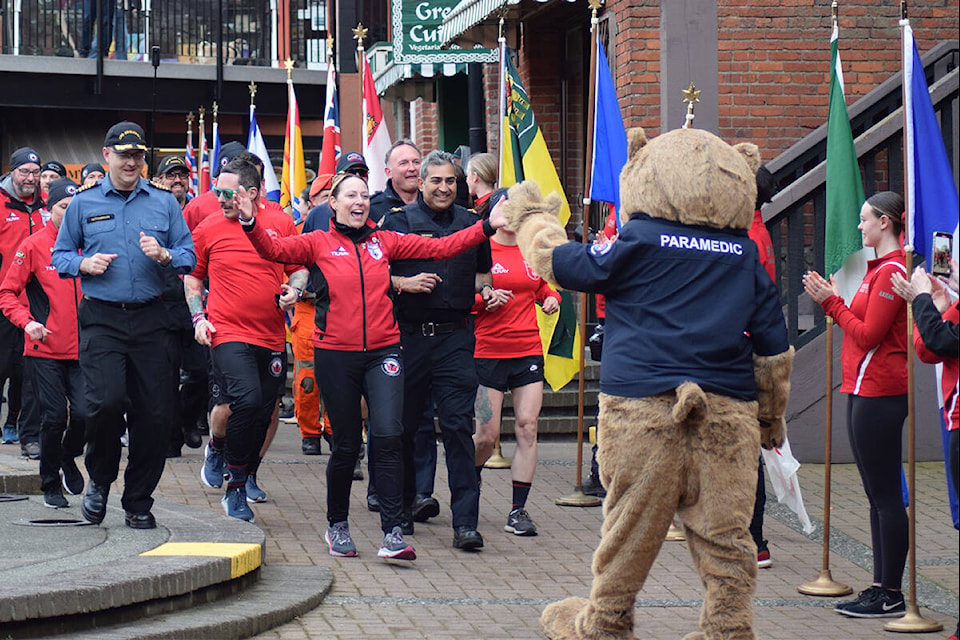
(883, 604)
(72, 480)
(54, 499)
(593, 487)
(868, 594)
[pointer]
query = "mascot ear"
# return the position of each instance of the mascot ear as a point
(750, 153)
(553, 204)
(637, 140)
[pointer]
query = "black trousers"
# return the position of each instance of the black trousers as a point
(343, 377)
(251, 379)
(11, 366)
(444, 365)
(126, 356)
(191, 390)
(58, 383)
(875, 427)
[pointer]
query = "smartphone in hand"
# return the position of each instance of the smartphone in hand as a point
(942, 252)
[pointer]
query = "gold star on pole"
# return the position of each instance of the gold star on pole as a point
(252, 88)
(330, 43)
(288, 65)
(360, 34)
(190, 118)
(216, 108)
(595, 5)
(691, 94)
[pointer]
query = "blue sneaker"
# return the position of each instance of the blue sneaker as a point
(10, 434)
(339, 540)
(235, 504)
(254, 492)
(214, 468)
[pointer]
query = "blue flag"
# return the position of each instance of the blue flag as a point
(609, 138)
(931, 192)
(215, 149)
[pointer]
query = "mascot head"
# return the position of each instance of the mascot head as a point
(690, 176)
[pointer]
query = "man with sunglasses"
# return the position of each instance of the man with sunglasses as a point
(20, 204)
(244, 324)
(174, 175)
(120, 236)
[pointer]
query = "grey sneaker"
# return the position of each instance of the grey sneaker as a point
(394, 547)
(254, 492)
(30, 450)
(54, 499)
(520, 524)
(339, 540)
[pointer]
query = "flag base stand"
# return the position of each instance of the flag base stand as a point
(675, 534)
(497, 461)
(913, 622)
(824, 586)
(578, 499)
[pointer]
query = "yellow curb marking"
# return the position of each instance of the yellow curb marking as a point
(244, 558)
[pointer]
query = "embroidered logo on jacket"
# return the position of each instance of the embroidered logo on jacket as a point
(339, 251)
(499, 269)
(374, 249)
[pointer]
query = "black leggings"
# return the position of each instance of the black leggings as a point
(875, 427)
(378, 375)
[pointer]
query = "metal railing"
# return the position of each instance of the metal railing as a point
(252, 32)
(796, 216)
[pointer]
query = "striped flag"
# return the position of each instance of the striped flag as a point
(204, 163)
(293, 178)
(330, 152)
(524, 156)
(256, 146)
(215, 146)
(376, 139)
(191, 159)
(844, 255)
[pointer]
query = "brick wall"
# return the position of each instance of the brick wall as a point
(426, 130)
(774, 60)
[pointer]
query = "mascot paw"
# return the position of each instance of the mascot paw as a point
(557, 619)
(773, 433)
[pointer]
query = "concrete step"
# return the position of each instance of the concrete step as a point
(281, 594)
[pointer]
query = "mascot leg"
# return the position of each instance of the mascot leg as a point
(724, 475)
(640, 466)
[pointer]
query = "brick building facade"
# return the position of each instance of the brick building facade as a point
(773, 59)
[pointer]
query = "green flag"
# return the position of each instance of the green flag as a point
(843, 249)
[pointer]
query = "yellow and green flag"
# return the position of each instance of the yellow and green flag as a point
(524, 156)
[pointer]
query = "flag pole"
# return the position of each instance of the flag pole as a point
(291, 140)
(200, 148)
(359, 34)
(912, 621)
(578, 498)
(824, 585)
(502, 107)
(190, 119)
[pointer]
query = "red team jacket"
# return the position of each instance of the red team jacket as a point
(354, 309)
(874, 354)
(52, 300)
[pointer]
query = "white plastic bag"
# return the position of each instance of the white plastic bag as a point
(782, 470)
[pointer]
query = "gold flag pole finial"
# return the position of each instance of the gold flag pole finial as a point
(201, 111)
(903, 9)
(190, 118)
(595, 5)
(691, 95)
(288, 65)
(215, 110)
(330, 45)
(360, 34)
(252, 88)
(834, 11)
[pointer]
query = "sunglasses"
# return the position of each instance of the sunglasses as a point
(226, 194)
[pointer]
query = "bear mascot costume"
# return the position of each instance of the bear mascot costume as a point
(695, 374)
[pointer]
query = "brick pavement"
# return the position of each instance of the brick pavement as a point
(499, 593)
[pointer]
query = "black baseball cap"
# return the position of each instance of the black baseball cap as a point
(53, 165)
(352, 160)
(228, 152)
(172, 162)
(125, 136)
(22, 156)
(90, 168)
(59, 189)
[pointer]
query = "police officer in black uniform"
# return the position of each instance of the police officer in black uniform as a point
(436, 332)
(120, 236)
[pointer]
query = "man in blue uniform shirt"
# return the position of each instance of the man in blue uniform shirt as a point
(119, 236)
